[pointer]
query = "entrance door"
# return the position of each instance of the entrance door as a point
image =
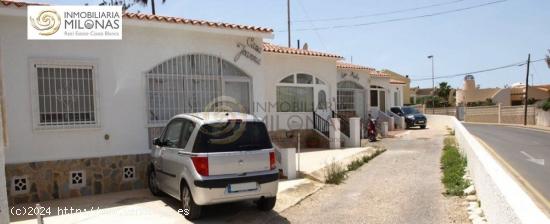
(239, 91)
(382, 101)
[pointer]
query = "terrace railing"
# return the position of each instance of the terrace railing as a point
(321, 124)
(344, 123)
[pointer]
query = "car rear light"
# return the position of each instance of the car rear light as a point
(201, 165)
(272, 163)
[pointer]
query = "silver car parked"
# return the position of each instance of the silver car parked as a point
(214, 157)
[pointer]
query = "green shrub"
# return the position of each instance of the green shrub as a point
(366, 159)
(334, 173)
(454, 167)
(546, 105)
(355, 164)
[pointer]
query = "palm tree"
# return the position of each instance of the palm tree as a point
(444, 91)
(146, 2)
(125, 6)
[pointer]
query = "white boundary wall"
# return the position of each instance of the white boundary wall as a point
(502, 198)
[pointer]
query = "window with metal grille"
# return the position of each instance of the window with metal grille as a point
(350, 96)
(190, 83)
(194, 83)
(64, 96)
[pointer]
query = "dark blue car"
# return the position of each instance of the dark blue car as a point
(412, 116)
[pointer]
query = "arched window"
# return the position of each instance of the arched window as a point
(194, 83)
(351, 97)
(295, 93)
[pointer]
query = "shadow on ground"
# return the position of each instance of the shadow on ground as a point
(163, 208)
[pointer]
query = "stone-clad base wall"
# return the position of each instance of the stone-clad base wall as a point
(52, 179)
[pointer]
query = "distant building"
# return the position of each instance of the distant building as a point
(396, 78)
(514, 95)
(418, 93)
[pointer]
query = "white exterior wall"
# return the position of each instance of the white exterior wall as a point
(383, 82)
(396, 88)
(277, 66)
(121, 82)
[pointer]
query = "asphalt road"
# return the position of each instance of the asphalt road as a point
(527, 151)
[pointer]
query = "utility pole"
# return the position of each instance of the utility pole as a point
(288, 21)
(526, 91)
(433, 87)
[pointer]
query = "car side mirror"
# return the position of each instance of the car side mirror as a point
(157, 142)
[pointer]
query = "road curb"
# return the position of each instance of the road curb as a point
(530, 127)
(319, 174)
(296, 193)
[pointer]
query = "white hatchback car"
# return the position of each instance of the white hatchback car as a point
(214, 157)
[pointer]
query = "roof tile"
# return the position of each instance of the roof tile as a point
(353, 66)
(268, 47)
(371, 71)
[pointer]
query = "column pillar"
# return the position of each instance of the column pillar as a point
(334, 133)
(355, 131)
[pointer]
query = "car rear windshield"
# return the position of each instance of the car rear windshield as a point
(232, 136)
(410, 110)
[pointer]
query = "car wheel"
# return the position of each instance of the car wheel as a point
(423, 126)
(153, 183)
(266, 204)
(191, 210)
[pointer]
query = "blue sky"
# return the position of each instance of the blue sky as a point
(471, 40)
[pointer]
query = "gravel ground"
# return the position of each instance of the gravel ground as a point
(400, 186)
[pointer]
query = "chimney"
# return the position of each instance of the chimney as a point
(298, 43)
(306, 46)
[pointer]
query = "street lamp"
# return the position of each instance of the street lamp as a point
(433, 84)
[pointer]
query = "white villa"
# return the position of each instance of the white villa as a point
(79, 115)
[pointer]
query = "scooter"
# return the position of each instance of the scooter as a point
(371, 130)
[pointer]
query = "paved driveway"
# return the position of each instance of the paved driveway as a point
(139, 207)
(402, 185)
(526, 151)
